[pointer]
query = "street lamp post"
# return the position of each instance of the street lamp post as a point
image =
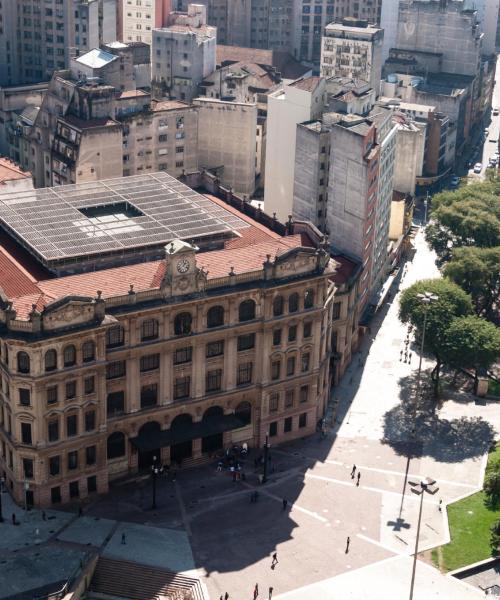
(266, 458)
(154, 472)
(426, 299)
(428, 486)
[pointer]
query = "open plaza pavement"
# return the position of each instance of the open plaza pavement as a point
(206, 525)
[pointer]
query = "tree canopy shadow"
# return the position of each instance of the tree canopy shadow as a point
(415, 427)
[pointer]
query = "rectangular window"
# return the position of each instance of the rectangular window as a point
(71, 425)
(289, 398)
(55, 495)
(150, 362)
(89, 385)
(244, 375)
(53, 431)
(92, 484)
(246, 342)
(336, 310)
(70, 389)
(163, 137)
(149, 395)
(90, 420)
(276, 337)
(304, 393)
(73, 460)
(28, 468)
(74, 491)
(288, 425)
(307, 330)
(182, 387)
(24, 396)
(273, 402)
(275, 369)
(116, 369)
(214, 380)
(273, 428)
(306, 357)
(115, 403)
(183, 355)
(302, 420)
(292, 333)
(26, 433)
(290, 366)
(215, 349)
(54, 465)
(90, 455)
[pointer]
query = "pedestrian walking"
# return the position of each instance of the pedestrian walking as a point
(275, 560)
(226, 596)
(353, 471)
(440, 506)
(400, 355)
(348, 541)
(270, 592)
(285, 503)
(44, 516)
(359, 477)
(406, 356)
(409, 358)
(256, 591)
(14, 519)
(123, 539)
(221, 597)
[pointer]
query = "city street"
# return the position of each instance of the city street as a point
(205, 523)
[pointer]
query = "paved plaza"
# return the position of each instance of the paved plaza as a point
(206, 525)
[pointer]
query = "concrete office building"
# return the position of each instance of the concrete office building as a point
(302, 100)
(183, 54)
(140, 17)
(442, 28)
(227, 142)
(37, 39)
(148, 346)
(352, 49)
(410, 153)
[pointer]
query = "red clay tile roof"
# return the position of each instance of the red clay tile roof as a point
(308, 84)
(245, 254)
(9, 171)
(282, 61)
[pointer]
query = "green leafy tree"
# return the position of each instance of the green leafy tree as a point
(495, 537)
(477, 271)
(471, 343)
(492, 489)
(469, 216)
(452, 302)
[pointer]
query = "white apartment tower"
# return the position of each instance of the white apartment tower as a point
(140, 17)
(183, 54)
(352, 49)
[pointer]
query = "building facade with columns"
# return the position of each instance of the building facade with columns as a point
(172, 350)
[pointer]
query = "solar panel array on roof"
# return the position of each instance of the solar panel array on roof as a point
(116, 214)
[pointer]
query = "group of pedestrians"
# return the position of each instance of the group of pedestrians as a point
(406, 350)
(354, 475)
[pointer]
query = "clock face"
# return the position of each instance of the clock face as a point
(183, 265)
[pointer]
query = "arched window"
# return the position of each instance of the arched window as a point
(181, 422)
(182, 324)
(115, 336)
(278, 306)
(23, 362)
(88, 351)
(247, 310)
(149, 329)
(309, 299)
(215, 316)
(116, 445)
(244, 412)
(51, 360)
(149, 428)
(69, 356)
(293, 303)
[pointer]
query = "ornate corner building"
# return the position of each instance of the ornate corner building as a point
(121, 341)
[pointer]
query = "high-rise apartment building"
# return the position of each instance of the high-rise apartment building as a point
(38, 38)
(139, 18)
(121, 342)
(352, 49)
(183, 54)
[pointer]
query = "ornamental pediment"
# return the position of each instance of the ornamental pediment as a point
(297, 262)
(68, 312)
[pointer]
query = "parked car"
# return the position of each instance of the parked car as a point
(492, 162)
(486, 131)
(496, 111)
(478, 167)
(493, 140)
(454, 181)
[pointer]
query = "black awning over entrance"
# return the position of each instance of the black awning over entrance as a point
(187, 432)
